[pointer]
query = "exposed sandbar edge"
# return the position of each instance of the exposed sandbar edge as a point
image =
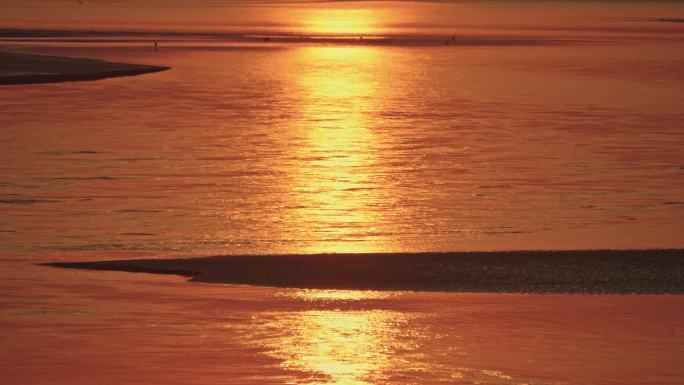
(578, 272)
(22, 68)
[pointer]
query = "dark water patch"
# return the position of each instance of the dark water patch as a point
(668, 20)
(223, 158)
(112, 246)
(353, 189)
(26, 201)
(138, 234)
(134, 159)
(487, 186)
(83, 178)
(51, 312)
(62, 153)
(123, 211)
(91, 247)
(84, 214)
(119, 197)
(579, 272)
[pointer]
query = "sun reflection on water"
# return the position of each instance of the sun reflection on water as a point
(334, 178)
(339, 295)
(334, 346)
(344, 337)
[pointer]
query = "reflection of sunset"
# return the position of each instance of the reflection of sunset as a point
(334, 347)
(334, 179)
(340, 21)
(338, 295)
(385, 192)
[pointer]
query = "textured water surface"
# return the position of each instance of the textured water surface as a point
(69, 326)
(310, 148)
(466, 128)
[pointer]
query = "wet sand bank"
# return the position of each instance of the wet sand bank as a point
(579, 272)
(22, 68)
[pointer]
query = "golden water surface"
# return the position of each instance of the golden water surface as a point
(268, 138)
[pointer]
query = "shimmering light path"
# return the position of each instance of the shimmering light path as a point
(73, 326)
(317, 148)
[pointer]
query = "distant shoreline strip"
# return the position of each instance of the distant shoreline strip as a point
(575, 272)
(269, 39)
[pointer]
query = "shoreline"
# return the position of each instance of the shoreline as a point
(564, 272)
(23, 68)
(466, 38)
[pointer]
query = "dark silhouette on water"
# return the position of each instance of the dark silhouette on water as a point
(670, 20)
(20, 68)
(579, 272)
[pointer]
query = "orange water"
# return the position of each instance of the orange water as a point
(309, 148)
(78, 327)
(248, 146)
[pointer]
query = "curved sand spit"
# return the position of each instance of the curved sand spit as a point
(22, 68)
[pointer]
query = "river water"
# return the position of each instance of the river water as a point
(570, 139)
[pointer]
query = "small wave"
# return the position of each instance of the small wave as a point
(135, 159)
(137, 211)
(486, 186)
(61, 153)
(83, 178)
(139, 234)
(26, 201)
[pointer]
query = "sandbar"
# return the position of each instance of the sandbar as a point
(653, 271)
(24, 68)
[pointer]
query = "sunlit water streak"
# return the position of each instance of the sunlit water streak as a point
(309, 148)
(76, 326)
